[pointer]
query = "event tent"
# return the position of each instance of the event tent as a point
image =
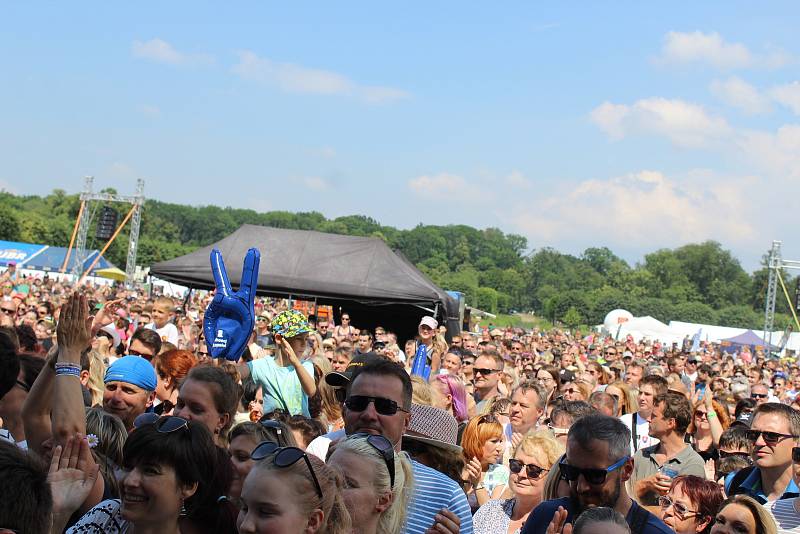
(359, 275)
(44, 257)
(747, 339)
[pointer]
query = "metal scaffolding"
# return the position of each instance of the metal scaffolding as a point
(775, 263)
(88, 196)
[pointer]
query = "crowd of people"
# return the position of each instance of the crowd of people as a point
(115, 418)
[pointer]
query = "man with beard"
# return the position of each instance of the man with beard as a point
(597, 465)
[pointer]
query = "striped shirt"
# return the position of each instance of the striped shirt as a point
(785, 515)
(432, 492)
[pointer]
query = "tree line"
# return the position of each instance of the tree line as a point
(699, 282)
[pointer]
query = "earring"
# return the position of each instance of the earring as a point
(183, 512)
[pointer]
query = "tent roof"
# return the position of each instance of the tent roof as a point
(310, 264)
(45, 257)
(747, 338)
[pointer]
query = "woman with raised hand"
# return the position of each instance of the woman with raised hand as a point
(174, 481)
(483, 445)
(377, 482)
(290, 492)
(532, 460)
(690, 504)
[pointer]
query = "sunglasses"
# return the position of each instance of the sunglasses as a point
(665, 502)
(9, 311)
(384, 406)
(532, 470)
(744, 455)
(271, 423)
(770, 438)
(147, 357)
(164, 425)
(479, 370)
(383, 446)
(755, 396)
(285, 457)
(594, 477)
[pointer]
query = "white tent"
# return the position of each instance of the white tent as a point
(648, 328)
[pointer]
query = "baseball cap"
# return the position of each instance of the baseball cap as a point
(745, 418)
(341, 379)
(429, 322)
(290, 323)
(132, 370)
(111, 331)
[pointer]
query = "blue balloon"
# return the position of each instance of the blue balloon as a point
(230, 317)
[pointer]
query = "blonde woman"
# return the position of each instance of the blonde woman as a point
(626, 402)
(377, 482)
(530, 465)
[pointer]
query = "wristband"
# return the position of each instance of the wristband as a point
(712, 414)
(68, 371)
(70, 365)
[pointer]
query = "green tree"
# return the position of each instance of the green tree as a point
(9, 224)
(572, 318)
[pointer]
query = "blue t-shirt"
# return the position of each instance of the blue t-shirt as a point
(432, 492)
(280, 386)
(541, 516)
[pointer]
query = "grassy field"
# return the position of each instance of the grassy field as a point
(519, 319)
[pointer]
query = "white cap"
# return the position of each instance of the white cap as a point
(430, 322)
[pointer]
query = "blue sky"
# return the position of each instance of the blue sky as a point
(575, 125)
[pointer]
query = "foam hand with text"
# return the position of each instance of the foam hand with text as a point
(230, 317)
(421, 367)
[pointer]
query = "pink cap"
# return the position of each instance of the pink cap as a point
(429, 322)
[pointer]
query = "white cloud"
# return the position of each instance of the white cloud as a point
(775, 153)
(684, 123)
(517, 179)
(699, 47)
(643, 208)
(293, 78)
(316, 183)
(788, 95)
(161, 51)
(740, 94)
(445, 186)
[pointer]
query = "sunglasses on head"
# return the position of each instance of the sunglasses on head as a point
(533, 471)
(383, 446)
(594, 477)
(770, 438)
(384, 406)
(285, 457)
(480, 370)
(164, 425)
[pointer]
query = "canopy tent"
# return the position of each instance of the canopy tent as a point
(646, 327)
(746, 339)
(45, 258)
(359, 275)
(112, 273)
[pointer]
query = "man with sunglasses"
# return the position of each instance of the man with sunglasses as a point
(379, 402)
(597, 465)
(774, 432)
(487, 374)
(657, 465)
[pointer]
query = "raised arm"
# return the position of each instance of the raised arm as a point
(74, 327)
(36, 409)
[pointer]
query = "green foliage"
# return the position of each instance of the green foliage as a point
(699, 282)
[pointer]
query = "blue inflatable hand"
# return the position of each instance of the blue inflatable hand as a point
(230, 316)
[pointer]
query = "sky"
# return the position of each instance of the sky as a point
(575, 124)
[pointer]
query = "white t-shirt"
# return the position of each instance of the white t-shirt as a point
(168, 332)
(319, 445)
(642, 431)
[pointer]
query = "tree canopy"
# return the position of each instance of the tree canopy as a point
(699, 282)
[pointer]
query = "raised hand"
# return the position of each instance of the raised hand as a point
(73, 473)
(557, 525)
(106, 315)
(74, 325)
(230, 316)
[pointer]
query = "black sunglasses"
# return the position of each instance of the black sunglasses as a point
(532, 470)
(165, 425)
(147, 357)
(737, 454)
(758, 396)
(770, 438)
(383, 446)
(594, 477)
(285, 457)
(359, 403)
(482, 371)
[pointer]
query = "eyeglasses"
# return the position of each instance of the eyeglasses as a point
(756, 396)
(164, 425)
(383, 446)
(285, 457)
(532, 470)
(384, 406)
(480, 370)
(544, 379)
(665, 502)
(770, 438)
(594, 477)
(611, 353)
